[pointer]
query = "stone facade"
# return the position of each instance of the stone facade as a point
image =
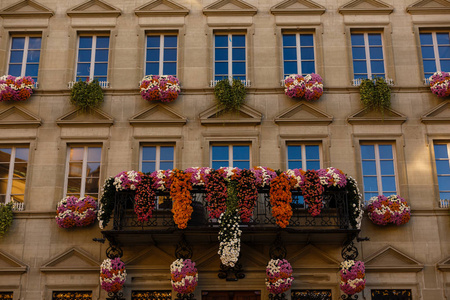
(38, 258)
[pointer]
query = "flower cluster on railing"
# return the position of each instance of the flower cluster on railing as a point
(440, 84)
(112, 275)
(353, 275)
(184, 276)
(389, 210)
(279, 276)
(15, 88)
(164, 88)
(309, 87)
(74, 212)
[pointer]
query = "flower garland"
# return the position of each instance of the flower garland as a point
(263, 176)
(312, 190)
(127, 180)
(165, 88)
(332, 177)
(440, 84)
(15, 88)
(144, 200)
(112, 275)
(355, 203)
(310, 87)
(280, 199)
(74, 212)
(279, 276)
(198, 175)
(180, 192)
(184, 276)
(392, 209)
(352, 277)
(229, 238)
(247, 194)
(216, 194)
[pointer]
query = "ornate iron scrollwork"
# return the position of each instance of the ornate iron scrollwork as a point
(349, 250)
(231, 273)
(185, 296)
(277, 249)
(349, 297)
(114, 250)
(183, 249)
(281, 296)
(115, 296)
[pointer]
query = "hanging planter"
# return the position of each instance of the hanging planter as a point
(312, 191)
(180, 192)
(279, 276)
(332, 177)
(309, 87)
(184, 276)
(112, 275)
(230, 96)
(440, 84)
(353, 275)
(74, 212)
(127, 180)
(86, 95)
(389, 210)
(375, 94)
(145, 198)
(6, 217)
(15, 88)
(280, 200)
(164, 88)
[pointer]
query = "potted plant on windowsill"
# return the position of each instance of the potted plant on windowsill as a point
(440, 84)
(86, 95)
(15, 88)
(375, 94)
(164, 88)
(230, 94)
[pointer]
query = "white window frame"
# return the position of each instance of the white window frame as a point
(83, 168)
(93, 51)
(440, 159)
(11, 171)
(158, 155)
(25, 52)
(378, 167)
(161, 53)
(303, 149)
(437, 58)
(298, 48)
(230, 153)
(230, 54)
(367, 50)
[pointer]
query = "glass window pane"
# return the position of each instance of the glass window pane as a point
(294, 152)
(76, 154)
(238, 53)
(3, 186)
(307, 67)
(374, 39)
(93, 169)
(444, 183)
(73, 185)
(370, 184)
(152, 69)
(153, 41)
(18, 186)
(18, 43)
(220, 152)
(443, 38)
(21, 154)
(34, 43)
(376, 53)
(219, 164)
(444, 51)
(445, 64)
(241, 164)
(84, 55)
(429, 66)
(289, 40)
(16, 57)
(312, 152)
(91, 185)
(221, 68)
(83, 69)
(440, 151)
(166, 152)
(238, 40)
(221, 54)
(101, 69)
(369, 167)
(32, 70)
(367, 151)
(85, 42)
(149, 153)
(15, 70)
(426, 39)
(170, 41)
(359, 67)
(357, 39)
(170, 68)
(238, 68)
(385, 151)
(427, 52)
(377, 67)
(75, 169)
(94, 154)
(306, 40)
(367, 196)
(387, 167)
(442, 167)
(18, 198)
(152, 54)
(313, 165)
(5, 154)
(241, 152)
(20, 170)
(148, 167)
(388, 183)
(166, 165)
(289, 54)
(33, 55)
(101, 55)
(221, 41)
(103, 42)
(444, 195)
(170, 54)
(290, 67)
(295, 165)
(307, 53)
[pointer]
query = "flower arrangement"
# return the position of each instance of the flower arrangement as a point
(184, 276)
(312, 191)
(216, 194)
(86, 94)
(247, 193)
(352, 277)
(112, 275)
(332, 177)
(230, 96)
(74, 212)
(6, 217)
(440, 84)
(144, 200)
(127, 180)
(309, 87)
(279, 276)
(229, 238)
(375, 94)
(180, 192)
(296, 178)
(160, 87)
(392, 209)
(198, 175)
(106, 202)
(280, 199)
(355, 203)
(263, 176)
(15, 88)
(162, 179)
(228, 173)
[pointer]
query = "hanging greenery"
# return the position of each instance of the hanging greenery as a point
(375, 94)
(230, 97)
(6, 218)
(86, 95)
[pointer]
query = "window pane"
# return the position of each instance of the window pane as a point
(445, 64)
(18, 43)
(313, 165)
(92, 185)
(367, 196)
(238, 40)
(74, 185)
(444, 183)
(20, 170)
(444, 195)
(16, 57)
(75, 169)
(76, 154)
(376, 53)
(93, 169)
(170, 54)
(369, 167)
(442, 167)
(33, 55)
(166, 165)
(294, 152)
(85, 41)
(148, 153)
(32, 70)
(444, 51)
(103, 42)
(220, 153)
(221, 68)
(94, 154)
(34, 43)
(370, 184)
(312, 152)
(307, 53)
(442, 38)
(152, 54)
(238, 68)
(101, 55)
(221, 54)
(18, 186)
(387, 167)
(221, 41)
(241, 164)
(15, 70)
(289, 54)
(148, 167)
(290, 67)
(374, 39)
(153, 41)
(440, 151)
(388, 183)
(219, 164)
(377, 67)
(21, 154)
(426, 39)
(166, 153)
(170, 69)
(5, 155)
(152, 68)
(385, 151)
(289, 40)
(429, 66)
(84, 55)
(83, 69)
(295, 165)
(238, 53)
(307, 67)
(241, 152)
(357, 39)
(170, 41)
(306, 40)
(3, 186)
(367, 151)
(359, 67)
(427, 52)
(4, 170)
(101, 69)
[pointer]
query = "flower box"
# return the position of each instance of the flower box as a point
(164, 88)
(309, 87)
(15, 88)
(389, 210)
(74, 212)
(440, 84)
(353, 273)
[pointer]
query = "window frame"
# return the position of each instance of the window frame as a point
(230, 152)
(158, 154)
(435, 45)
(436, 174)
(11, 170)
(298, 47)
(25, 54)
(93, 51)
(303, 149)
(367, 51)
(161, 53)
(230, 50)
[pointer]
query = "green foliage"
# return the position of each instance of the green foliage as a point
(232, 200)
(86, 95)
(107, 201)
(375, 94)
(6, 218)
(230, 97)
(354, 199)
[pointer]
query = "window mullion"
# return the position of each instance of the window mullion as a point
(367, 50)
(299, 55)
(83, 172)
(378, 168)
(230, 156)
(93, 46)
(230, 56)
(161, 54)
(10, 175)
(158, 158)
(437, 60)
(303, 153)
(25, 56)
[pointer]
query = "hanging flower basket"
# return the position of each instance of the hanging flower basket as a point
(112, 275)
(312, 191)
(309, 87)
(389, 210)
(279, 276)
(125, 181)
(145, 198)
(15, 88)
(230, 238)
(86, 94)
(280, 200)
(332, 177)
(440, 84)
(164, 88)
(353, 275)
(74, 212)
(264, 176)
(184, 276)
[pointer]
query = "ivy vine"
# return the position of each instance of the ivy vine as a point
(86, 95)
(6, 218)
(375, 94)
(230, 97)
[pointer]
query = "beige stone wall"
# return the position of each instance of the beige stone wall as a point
(35, 243)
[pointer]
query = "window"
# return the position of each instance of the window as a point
(157, 158)
(367, 53)
(237, 156)
(24, 56)
(298, 53)
(66, 295)
(305, 157)
(397, 294)
(93, 54)
(83, 171)
(13, 173)
(229, 56)
(161, 55)
(441, 152)
(435, 52)
(378, 170)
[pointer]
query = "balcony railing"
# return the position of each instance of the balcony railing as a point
(103, 84)
(335, 214)
(444, 203)
(357, 81)
(246, 83)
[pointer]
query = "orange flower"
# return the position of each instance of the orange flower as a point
(280, 199)
(180, 192)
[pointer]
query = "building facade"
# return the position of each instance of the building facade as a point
(51, 150)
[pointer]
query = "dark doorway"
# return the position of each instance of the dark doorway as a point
(231, 295)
